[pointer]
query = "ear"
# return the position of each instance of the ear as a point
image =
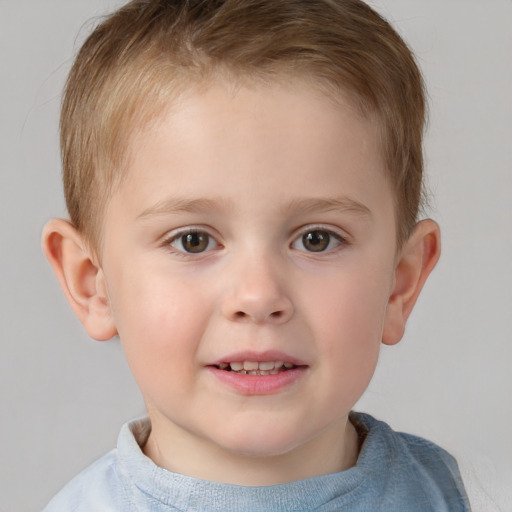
(80, 277)
(416, 260)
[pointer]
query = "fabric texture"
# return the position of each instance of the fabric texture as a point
(395, 472)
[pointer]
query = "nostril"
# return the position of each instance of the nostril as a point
(241, 315)
(258, 312)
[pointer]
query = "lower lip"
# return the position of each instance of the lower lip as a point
(259, 384)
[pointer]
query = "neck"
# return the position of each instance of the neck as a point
(180, 452)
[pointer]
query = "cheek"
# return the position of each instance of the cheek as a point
(160, 324)
(349, 318)
(351, 307)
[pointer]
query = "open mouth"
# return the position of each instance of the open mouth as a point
(256, 367)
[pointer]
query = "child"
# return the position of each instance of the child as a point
(243, 180)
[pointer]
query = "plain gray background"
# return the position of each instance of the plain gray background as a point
(64, 397)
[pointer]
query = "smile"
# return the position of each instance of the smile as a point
(256, 367)
(252, 373)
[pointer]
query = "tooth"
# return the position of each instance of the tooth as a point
(237, 366)
(250, 365)
(223, 366)
(269, 365)
(274, 372)
(288, 365)
(278, 364)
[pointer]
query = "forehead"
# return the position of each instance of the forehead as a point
(208, 90)
(234, 141)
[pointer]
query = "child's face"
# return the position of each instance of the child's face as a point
(257, 226)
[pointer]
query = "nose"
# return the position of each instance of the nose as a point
(257, 293)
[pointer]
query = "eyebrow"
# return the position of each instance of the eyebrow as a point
(334, 204)
(183, 205)
(308, 205)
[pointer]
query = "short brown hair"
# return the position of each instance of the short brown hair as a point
(141, 55)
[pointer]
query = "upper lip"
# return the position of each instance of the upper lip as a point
(265, 356)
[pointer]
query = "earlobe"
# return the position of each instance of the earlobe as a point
(417, 259)
(80, 278)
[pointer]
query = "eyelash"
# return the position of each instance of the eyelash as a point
(340, 241)
(323, 236)
(180, 235)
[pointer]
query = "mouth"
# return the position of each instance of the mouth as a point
(256, 367)
(258, 374)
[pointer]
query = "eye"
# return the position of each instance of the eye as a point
(192, 242)
(317, 240)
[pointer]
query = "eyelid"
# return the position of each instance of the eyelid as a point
(176, 234)
(336, 233)
(329, 228)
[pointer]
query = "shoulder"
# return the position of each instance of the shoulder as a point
(108, 484)
(417, 466)
(98, 487)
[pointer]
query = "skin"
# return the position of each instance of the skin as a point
(254, 172)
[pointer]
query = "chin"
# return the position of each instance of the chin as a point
(261, 443)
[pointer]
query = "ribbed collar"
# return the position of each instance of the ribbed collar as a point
(185, 493)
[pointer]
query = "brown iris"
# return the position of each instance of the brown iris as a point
(316, 241)
(195, 242)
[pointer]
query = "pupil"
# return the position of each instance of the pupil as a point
(195, 242)
(316, 241)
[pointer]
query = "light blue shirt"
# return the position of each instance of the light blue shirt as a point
(395, 472)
